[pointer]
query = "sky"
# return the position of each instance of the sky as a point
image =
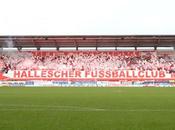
(87, 17)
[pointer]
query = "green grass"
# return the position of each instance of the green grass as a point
(87, 108)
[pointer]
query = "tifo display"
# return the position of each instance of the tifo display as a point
(75, 66)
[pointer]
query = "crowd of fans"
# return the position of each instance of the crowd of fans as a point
(87, 61)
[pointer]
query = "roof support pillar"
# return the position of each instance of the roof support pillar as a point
(19, 48)
(155, 48)
(38, 48)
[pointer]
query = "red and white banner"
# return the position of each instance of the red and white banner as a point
(85, 75)
(61, 65)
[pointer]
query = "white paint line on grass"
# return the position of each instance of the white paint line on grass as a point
(45, 107)
(87, 110)
(32, 107)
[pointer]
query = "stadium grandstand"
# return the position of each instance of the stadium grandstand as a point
(143, 60)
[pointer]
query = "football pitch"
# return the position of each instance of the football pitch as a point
(87, 108)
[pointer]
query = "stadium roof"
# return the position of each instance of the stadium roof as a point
(89, 41)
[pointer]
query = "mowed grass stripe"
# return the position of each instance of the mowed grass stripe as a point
(87, 108)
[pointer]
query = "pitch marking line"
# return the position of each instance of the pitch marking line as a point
(45, 107)
(25, 107)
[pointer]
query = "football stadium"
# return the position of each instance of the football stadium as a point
(87, 82)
